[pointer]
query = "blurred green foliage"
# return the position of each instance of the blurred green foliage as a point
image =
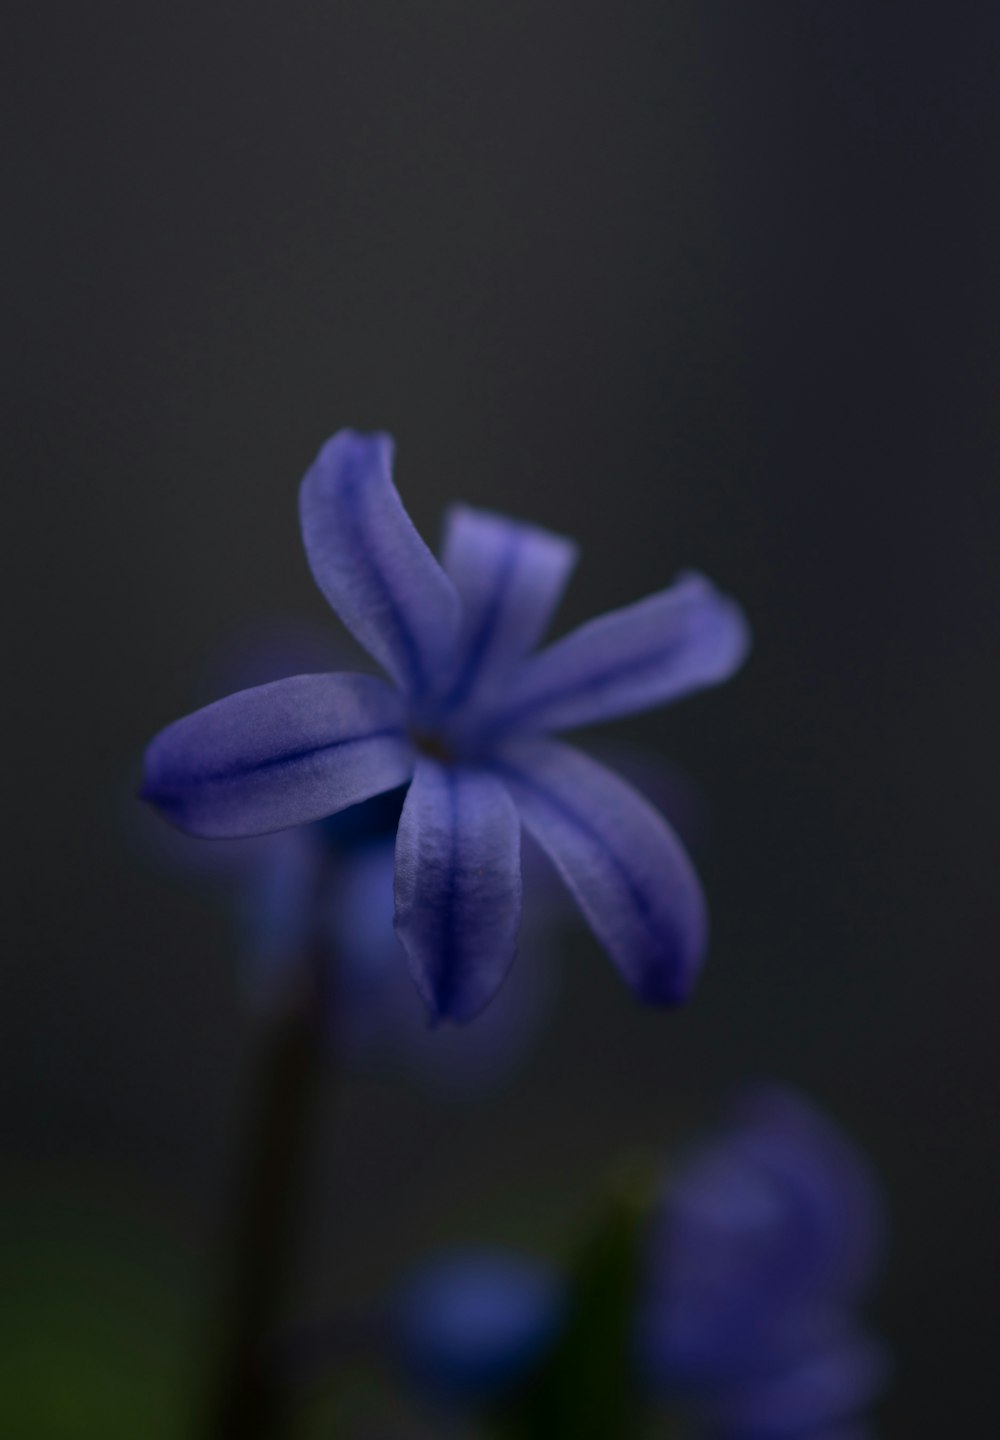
(95, 1319)
(588, 1388)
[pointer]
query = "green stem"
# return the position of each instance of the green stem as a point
(249, 1401)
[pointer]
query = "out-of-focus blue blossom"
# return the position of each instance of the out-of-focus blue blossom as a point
(465, 725)
(763, 1246)
(472, 1324)
(766, 1243)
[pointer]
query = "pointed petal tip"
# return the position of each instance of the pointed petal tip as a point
(442, 1012)
(668, 981)
(155, 788)
(443, 1005)
(460, 512)
(461, 1010)
(361, 441)
(724, 616)
(672, 987)
(734, 619)
(159, 800)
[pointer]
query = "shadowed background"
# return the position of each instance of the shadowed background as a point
(707, 286)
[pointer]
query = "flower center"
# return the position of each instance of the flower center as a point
(433, 746)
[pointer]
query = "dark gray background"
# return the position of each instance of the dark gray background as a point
(708, 285)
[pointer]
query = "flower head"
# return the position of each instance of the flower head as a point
(766, 1244)
(465, 722)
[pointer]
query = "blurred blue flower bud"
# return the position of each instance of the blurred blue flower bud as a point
(767, 1241)
(471, 1324)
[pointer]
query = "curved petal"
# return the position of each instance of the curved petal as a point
(279, 755)
(510, 577)
(620, 859)
(458, 886)
(371, 564)
(656, 650)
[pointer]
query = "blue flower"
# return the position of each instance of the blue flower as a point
(761, 1251)
(766, 1243)
(465, 723)
(468, 1326)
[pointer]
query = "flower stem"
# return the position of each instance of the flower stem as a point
(249, 1400)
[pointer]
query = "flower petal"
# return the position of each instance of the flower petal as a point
(371, 564)
(510, 577)
(620, 859)
(458, 886)
(632, 659)
(281, 754)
